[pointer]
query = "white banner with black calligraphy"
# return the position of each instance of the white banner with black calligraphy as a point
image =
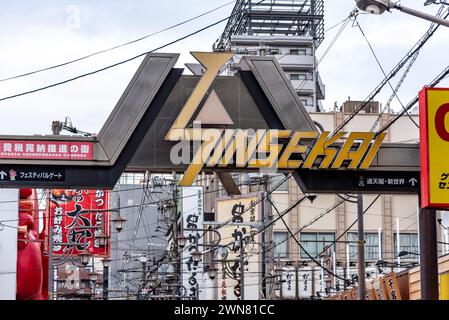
(191, 209)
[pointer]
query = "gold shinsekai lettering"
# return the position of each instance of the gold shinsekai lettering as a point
(210, 139)
(267, 147)
(243, 145)
(294, 147)
(323, 147)
(355, 157)
(220, 148)
(373, 151)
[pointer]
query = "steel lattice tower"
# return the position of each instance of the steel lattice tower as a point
(274, 18)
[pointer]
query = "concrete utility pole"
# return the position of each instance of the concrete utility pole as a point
(267, 238)
(360, 248)
(428, 254)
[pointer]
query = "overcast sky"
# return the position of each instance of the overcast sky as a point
(36, 34)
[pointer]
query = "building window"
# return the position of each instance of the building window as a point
(407, 242)
(314, 243)
(281, 245)
(298, 76)
(371, 246)
(298, 52)
(274, 51)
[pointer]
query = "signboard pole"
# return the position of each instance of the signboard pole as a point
(242, 270)
(361, 248)
(50, 262)
(9, 208)
(428, 254)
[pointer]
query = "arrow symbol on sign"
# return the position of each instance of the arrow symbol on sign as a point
(3, 174)
(413, 181)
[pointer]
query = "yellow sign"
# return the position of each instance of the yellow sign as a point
(262, 148)
(434, 140)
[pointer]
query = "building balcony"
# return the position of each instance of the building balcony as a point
(295, 62)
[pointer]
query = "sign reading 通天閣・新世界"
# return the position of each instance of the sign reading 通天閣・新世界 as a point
(283, 149)
(434, 138)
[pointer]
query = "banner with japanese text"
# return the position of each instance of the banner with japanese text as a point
(76, 219)
(241, 214)
(190, 206)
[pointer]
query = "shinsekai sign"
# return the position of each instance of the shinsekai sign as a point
(285, 150)
(434, 147)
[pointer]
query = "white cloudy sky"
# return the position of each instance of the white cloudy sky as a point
(37, 34)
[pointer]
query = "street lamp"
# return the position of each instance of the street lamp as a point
(106, 262)
(181, 241)
(85, 257)
(380, 6)
(196, 255)
(211, 272)
(93, 276)
(102, 239)
(119, 223)
(406, 253)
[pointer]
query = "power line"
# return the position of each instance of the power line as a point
(392, 73)
(123, 61)
(302, 247)
(115, 47)
(329, 47)
(383, 71)
(410, 105)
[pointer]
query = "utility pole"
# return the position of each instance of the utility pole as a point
(50, 263)
(428, 253)
(105, 282)
(242, 270)
(360, 248)
(267, 238)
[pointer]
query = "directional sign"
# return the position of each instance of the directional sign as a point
(11, 175)
(434, 137)
(320, 181)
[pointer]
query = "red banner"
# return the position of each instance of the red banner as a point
(55, 150)
(77, 218)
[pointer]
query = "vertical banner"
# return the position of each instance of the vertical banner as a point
(9, 210)
(320, 280)
(289, 281)
(391, 283)
(191, 209)
(305, 279)
(78, 217)
(240, 214)
(380, 288)
(434, 148)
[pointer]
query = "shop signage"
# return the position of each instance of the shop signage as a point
(46, 150)
(77, 217)
(261, 148)
(434, 139)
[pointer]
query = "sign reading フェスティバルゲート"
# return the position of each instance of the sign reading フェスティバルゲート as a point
(434, 139)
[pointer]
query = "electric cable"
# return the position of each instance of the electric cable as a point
(55, 84)
(423, 40)
(383, 71)
(115, 47)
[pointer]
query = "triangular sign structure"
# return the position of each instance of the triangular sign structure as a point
(213, 112)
